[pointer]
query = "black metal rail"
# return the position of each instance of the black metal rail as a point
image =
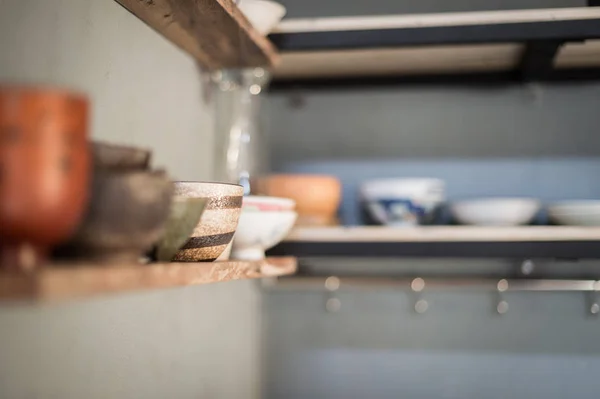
(520, 32)
(484, 79)
(462, 249)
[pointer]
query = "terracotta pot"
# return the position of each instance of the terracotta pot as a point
(44, 168)
(317, 196)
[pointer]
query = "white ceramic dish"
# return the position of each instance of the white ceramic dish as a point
(263, 14)
(264, 203)
(403, 202)
(575, 213)
(495, 211)
(259, 231)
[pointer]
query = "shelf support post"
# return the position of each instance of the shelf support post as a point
(537, 61)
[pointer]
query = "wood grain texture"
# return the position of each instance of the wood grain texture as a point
(214, 32)
(443, 234)
(63, 281)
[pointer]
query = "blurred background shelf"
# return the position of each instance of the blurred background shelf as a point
(444, 241)
(214, 32)
(63, 281)
(514, 45)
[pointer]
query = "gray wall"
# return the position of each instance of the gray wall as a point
(436, 122)
(545, 346)
(197, 342)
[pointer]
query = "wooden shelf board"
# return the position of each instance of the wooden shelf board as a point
(407, 21)
(214, 32)
(527, 242)
(578, 55)
(468, 58)
(398, 61)
(431, 44)
(63, 281)
(444, 234)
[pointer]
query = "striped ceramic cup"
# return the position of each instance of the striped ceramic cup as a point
(218, 222)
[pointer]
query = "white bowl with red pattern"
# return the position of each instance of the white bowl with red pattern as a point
(270, 204)
(259, 231)
(264, 222)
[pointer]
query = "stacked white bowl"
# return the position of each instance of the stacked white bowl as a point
(575, 213)
(264, 222)
(264, 15)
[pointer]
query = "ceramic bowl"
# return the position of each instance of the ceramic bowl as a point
(218, 222)
(126, 216)
(403, 202)
(317, 197)
(44, 171)
(259, 231)
(109, 155)
(495, 211)
(263, 203)
(264, 15)
(575, 213)
(183, 218)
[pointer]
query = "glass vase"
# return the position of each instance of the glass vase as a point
(241, 150)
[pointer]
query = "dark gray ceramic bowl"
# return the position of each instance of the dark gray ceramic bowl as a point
(117, 156)
(126, 216)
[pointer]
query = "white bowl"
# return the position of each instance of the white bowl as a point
(265, 203)
(259, 231)
(264, 15)
(495, 211)
(403, 202)
(575, 213)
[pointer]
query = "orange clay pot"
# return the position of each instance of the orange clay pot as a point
(44, 168)
(317, 196)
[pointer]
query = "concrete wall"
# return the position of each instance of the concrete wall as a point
(436, 122)
(183, 343)
(376, 346)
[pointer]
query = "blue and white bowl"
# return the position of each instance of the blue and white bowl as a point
(403, 202)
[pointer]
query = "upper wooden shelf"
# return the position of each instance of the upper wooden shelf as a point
(444, 241)
(59, 282)
(529, 41)
(214, 32)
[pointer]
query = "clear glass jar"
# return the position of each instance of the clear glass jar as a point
(241, 150)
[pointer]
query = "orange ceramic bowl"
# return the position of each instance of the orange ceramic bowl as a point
(44, 171)
(317, 196)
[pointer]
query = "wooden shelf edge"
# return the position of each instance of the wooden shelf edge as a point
(526, 242)
(443, 234)
(377, 22)
(214, 32)
(61, 281)
(413, 47)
